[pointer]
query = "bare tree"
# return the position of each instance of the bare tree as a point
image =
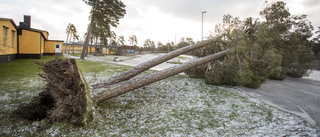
(105, 13)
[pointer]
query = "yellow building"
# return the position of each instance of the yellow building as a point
(53, 47)
(8, 40)
(76, 48)
(24, 42)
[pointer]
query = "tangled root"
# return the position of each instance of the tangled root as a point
(63, 99)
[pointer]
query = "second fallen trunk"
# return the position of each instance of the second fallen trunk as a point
(146, 65)
(127, 86)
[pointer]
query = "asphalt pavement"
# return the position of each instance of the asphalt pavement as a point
(299, 96)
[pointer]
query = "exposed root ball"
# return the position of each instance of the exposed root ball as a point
(63, 99)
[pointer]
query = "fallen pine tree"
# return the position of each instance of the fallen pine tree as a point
(151, 63)
(129, 85)
(66, 98)
(270, 49)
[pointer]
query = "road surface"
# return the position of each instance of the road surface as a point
(299, 96)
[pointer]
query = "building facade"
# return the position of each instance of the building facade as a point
(24, 42)
(76, 48)
(8, 40)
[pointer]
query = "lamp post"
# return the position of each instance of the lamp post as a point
(175, 41)
(204, 48)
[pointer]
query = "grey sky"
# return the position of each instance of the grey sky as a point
(159, 20)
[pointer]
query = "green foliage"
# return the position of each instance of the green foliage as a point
(273, 48)
(197, 72)
(165, 47)
(149, 45)
(107, 13)
(184, 42)
(222, 74)
(104, 15)
(315, 44)
(133, 40)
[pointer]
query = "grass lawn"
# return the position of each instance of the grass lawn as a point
(21, 68)
(177, 106)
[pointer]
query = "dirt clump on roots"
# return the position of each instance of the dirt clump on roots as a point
(63, 99)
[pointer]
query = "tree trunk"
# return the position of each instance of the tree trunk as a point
(91, 46)
(69, 44)
(151, 63)
(95, 46)
(86, 43)
(73, 46)
(65, 48)
(127, 86)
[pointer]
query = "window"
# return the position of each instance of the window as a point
(12, 38)
(5, 29)
(57, 46)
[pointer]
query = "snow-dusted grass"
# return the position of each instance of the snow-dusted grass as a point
(177, 106)
(108, 57)
(111, 57)
(182, 106)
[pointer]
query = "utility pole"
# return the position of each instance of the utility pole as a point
(202, 26)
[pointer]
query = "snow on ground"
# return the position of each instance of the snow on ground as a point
(146, 57)
(177, 106)
(136, 60)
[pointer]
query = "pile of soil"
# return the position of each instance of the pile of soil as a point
(63, 99)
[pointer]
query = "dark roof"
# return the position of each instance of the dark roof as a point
(11, 20)
(128, 47)
(56, 40)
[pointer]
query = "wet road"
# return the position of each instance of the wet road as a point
(300, 96)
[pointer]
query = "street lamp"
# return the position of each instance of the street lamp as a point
(204, 48)
(202, 25)
(175, 39)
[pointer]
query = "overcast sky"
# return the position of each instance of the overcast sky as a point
(158, 20)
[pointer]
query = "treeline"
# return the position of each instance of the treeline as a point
(274, 46)
(151, 46)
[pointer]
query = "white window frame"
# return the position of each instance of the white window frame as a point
(5, 35)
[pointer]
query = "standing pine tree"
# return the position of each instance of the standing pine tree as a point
(104, 13)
